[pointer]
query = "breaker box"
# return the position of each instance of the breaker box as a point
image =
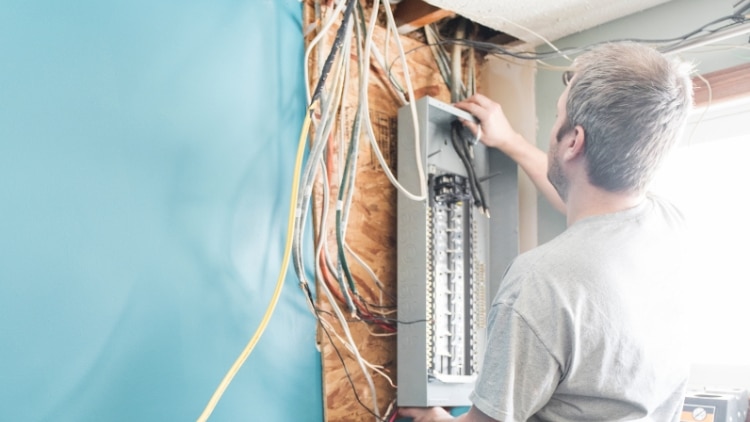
(451, 256)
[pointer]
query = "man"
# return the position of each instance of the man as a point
(586, 326)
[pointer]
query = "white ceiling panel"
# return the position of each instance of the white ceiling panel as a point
(553, 19)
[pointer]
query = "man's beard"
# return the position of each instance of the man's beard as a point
(557, 178)
(555, 174)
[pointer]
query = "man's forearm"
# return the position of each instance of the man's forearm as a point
(533, 161)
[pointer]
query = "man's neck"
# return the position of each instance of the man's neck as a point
(588, 201)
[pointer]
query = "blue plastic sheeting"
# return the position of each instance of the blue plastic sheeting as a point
(146, 156)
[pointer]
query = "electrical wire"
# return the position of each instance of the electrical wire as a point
(536, 34)
(349, 175)
(326, 274)
(705, 108)
(374, 334)
(355, 351)
(348, 179)
(322, 132)
(392, 410)
(375, 368)
(371, 273)
(337, 42)
(214, 400)
(349, 377)
(380, 59)
(337, 311)
(499, 50)
(326, 26)
(347, 185)
(412, 107)
(461, 146)
(438, 53)
(350, 345)
(471, 86)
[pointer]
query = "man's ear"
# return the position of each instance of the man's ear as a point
(574, 144)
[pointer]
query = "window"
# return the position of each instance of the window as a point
(707, 177)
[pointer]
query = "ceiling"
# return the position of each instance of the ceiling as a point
(553, 19)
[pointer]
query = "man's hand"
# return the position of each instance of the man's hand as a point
(496, 130)
(498, 133)
(426, 414)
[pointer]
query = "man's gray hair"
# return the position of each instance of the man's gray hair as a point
(632, 103)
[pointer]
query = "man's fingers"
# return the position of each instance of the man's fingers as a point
(425, 414)
(473, 127)
(479, 106)
(473, 108)
(410, 412)
(481, 100)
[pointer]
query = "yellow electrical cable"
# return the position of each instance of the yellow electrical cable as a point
(279, 283)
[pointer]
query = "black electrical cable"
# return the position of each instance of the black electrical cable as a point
(458, 145)
(351, 157)
(346, 370)
(491, 48)
(496, 49)
(462, 149)
(416, 321)
(337, 42)
(375, 305)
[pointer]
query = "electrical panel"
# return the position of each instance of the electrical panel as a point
(451, 255)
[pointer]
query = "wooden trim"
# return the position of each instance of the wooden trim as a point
(726, 84)
(414, 14)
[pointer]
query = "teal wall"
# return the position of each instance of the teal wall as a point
(146, 154)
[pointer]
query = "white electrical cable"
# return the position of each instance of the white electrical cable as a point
(364, 110)
(367, 269)
(538, 35)
(705, 109)
(381, 61)
(334, 104)
(410, 90)
(390, 407)
(350, 346)
(345, 56)
(478, 136)
(323, 32)
(342, 121)
(337, 310)
(354, 138)
(316, 157)
(329, 106)
(719, 35)
(376, 368)
(374, 334)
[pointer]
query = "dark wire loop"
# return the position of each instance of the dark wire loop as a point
(463, 150)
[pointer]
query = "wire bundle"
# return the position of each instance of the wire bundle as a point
(333, 269)
(465, 153)
(434, 40)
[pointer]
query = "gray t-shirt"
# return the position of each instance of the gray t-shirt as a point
(588, 327)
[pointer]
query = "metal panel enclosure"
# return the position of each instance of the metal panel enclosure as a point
(446, 276)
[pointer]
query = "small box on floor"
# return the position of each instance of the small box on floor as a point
(715, 405)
